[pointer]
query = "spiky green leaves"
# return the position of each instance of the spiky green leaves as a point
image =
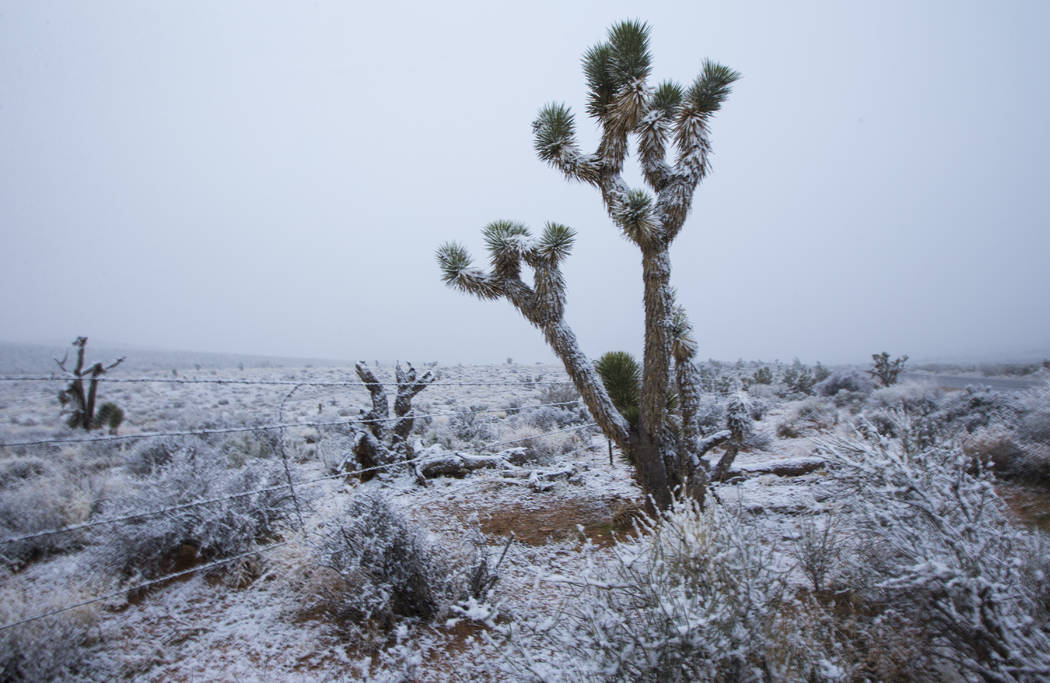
(622, 377)
(508, 244)
(556, 242)
(635, 217)
(630, 50)
(553, 132)
(667, 98)
(457, 272)
(608, 67)
(601, 83)
(683, 344)
(710, 89)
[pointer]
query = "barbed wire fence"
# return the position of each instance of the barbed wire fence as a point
(291, 485)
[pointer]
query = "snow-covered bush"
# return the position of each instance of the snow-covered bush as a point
(548, 418)
(241, 447)
(797, 380)
(846, 379)
(711, 413)
(998, 448)
(156, 545)
(47, 496)
(948, 559)
(976, 407)
(695, 596)
(376, 568)
(915, 398)
(1034, 425)
(49, 649)
(471, 426)
(559, 393)
(149, 454)
(808, 415)
(818, 550)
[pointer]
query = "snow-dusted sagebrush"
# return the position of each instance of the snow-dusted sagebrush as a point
(696, 595)
(949, 560)
(375, 568)
(158, 544)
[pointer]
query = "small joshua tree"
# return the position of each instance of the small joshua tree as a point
(385, 440)
(84, 401)
(885, 370)
(738, 420)
(624, 105)
(622, 377)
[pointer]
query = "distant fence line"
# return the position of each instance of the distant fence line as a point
(265, 427)
(273, 382)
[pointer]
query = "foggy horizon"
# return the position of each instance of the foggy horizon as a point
(272, 180)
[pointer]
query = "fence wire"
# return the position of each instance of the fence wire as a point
(268, 489)
(275, 382)
(144, 584)
(280, 426)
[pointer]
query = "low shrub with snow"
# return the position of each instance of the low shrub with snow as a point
(38, 495)
(949, 562)
(696, 595)
(809, 415)
(48, 649)
(915, 398)
(548, 418)
(156, 545)
(846, 379)
(470, 426)
(1034, 424)
(711, 413)
(374, 569)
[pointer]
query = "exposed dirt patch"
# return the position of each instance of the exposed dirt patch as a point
(1028, 504)
(559, 520)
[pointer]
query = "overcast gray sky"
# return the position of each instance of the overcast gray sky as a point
(273, 178)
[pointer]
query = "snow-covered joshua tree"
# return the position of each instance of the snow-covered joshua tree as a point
(624, 105)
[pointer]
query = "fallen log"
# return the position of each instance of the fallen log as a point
(795, 467)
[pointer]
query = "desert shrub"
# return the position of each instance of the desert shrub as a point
(809, 415)
(913, 397)
(559, 393)
(156, 545)
(550, 417)
(762, 375)
(21, 467)
(695, 596)
(818, 550)
(149, 454)
(976, 407)
(376, 568)
(111, 415)
(1034, 423)
(797, 379)
(757, 440)
(48, 649)
(468, 425)
(55, 498)
(948, 559)
(710, 413)
(847, 379)
(997, 448)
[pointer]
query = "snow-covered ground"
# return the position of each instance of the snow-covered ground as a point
(258, 623)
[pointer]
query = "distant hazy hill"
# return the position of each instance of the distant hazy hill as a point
(39, 358)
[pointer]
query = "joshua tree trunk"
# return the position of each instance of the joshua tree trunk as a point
(84, 404)
(624, 105)
(385, 440)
